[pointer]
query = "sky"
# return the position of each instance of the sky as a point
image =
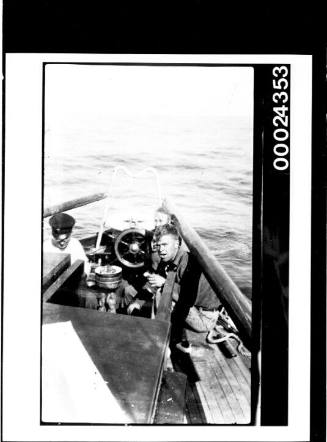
(93, 92)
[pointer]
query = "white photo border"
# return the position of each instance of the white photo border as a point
(22, 236)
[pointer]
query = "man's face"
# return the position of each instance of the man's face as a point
(167, 247)
(160, 219)
(61, 239)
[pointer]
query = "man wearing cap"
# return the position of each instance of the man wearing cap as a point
(62, 242)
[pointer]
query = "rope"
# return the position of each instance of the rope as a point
(226, 321)
(220, 329)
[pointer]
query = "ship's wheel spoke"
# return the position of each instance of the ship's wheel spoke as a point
(130, 248)
(124, 243)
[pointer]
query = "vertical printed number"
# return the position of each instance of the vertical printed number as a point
(281, 117)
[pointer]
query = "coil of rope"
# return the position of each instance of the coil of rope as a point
(212, 339)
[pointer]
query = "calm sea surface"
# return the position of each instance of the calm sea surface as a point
(204, 165)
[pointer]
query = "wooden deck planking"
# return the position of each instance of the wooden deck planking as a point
(237, 398)
(215, 394)
(210, 418)
(234, 394)
(244, 383)
(245, 371)
(228, 401)
(242, 372)
(234, 367)
(243, 363)
(225, 383)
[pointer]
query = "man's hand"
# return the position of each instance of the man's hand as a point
(155, 280)
(131, 307)
(128, 296)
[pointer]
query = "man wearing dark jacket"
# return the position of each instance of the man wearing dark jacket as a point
(194, 303)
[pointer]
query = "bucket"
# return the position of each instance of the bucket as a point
(108, 277)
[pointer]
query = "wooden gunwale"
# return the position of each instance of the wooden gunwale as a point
(73, 204)
(235, 302)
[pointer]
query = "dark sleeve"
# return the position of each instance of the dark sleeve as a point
(182, 268)
(188, 280)
(149, 259)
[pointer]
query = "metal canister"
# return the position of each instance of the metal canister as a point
(108, 277)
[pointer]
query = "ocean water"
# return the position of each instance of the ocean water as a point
(204, 165)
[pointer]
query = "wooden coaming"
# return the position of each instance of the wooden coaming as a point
(53, 266)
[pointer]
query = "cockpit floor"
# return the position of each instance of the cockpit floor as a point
(219, 390)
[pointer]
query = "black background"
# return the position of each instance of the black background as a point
(274, 261)
(185, 26)
(196, 26)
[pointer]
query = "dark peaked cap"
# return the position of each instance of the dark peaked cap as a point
(61, 222)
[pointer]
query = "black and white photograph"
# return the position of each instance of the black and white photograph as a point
(168, 297)
(171, 147)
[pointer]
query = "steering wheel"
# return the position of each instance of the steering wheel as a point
(131, 248)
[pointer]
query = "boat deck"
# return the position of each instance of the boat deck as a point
(216, 388)
(219, 388)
